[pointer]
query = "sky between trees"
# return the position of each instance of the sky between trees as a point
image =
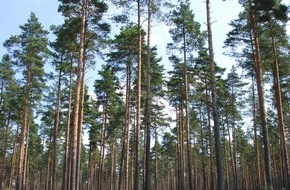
(14, 13)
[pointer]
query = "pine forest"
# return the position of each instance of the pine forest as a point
(146, 122)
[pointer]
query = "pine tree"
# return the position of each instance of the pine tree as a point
(219, 164)
(29, 50)
(186, 37)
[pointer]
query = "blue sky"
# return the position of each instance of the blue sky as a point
(16, 12)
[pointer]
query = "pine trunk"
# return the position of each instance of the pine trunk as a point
(102, 149)
(277, 86)
(66, 171)
(2, 164)
(26, 159)
(112, 165)
(263, 114)
(128, 124)
(13, 160)
(138, 108)
(219, 164)
(19, 179)
(55, 132)
(212, 177)
(187, 126)
(74, 148)
(80, 126)
(148, 104)
(156, 162)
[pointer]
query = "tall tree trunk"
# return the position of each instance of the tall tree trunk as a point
(48, 181)
(148, 102)
(276, 76)
(187, 125)
(55, 132)
(179, 168)
(13, 159)
(230, 147)
(66, 171)
(234, 139)
(73, 175)
(80, 126)
(180, 149)
(263, 113)
(122, 159)
(156, 162)
(204, 186)
(124, 164)
(212, 177)
(112, 166)
(2, 164)
(219, 163)
(26, 164)
(256, 142)
(227, 180)
(19, 179)
(138, 108)
(103, 145)
(34, 168)
(91, 167)
(128, 124)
